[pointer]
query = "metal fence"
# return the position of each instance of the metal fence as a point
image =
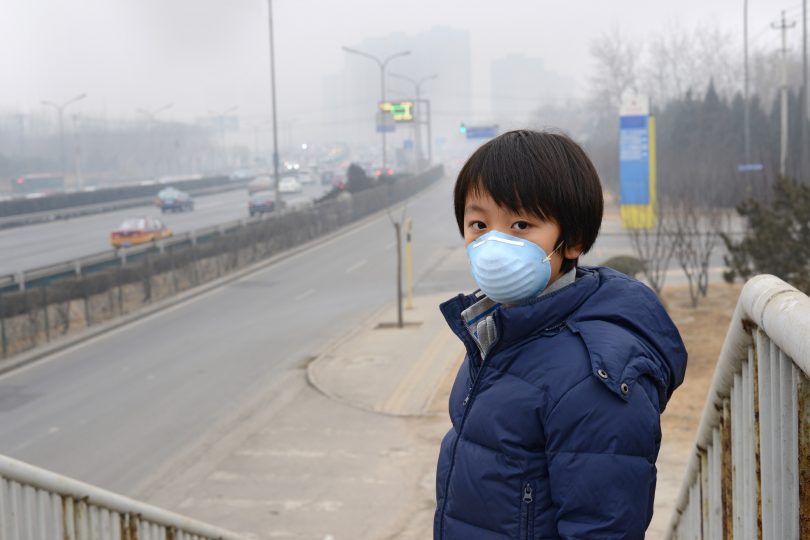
(749, 476)
(36, 504)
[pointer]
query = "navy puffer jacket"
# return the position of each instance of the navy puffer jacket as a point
(556, 432)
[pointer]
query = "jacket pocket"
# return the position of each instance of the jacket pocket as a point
(527, 512)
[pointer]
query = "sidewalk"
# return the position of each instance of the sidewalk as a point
(345, 449)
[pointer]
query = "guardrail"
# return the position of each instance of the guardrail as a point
(45, 275)
(749, 476)
(17, 220)
(42, 505)
(114, 257)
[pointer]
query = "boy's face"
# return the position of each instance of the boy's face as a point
(482, 215)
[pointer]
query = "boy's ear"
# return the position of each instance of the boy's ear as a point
(572, 252)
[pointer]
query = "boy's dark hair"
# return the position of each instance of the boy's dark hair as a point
(543, 173)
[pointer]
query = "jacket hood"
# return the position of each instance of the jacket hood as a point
(626, 330)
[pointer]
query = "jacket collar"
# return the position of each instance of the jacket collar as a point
(515, 323)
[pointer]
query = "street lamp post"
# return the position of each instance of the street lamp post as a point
(418, 131)
(60, 109)
(381, 64)
(273, 98)
(153, 113)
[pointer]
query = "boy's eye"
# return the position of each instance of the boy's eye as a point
(521, 225)
(478, 225)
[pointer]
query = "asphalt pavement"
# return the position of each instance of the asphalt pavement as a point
(34, 246)
(112, 410)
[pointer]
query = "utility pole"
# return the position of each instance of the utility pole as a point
(784, 27)
(805, 112)
(746, 112)
(273, 96)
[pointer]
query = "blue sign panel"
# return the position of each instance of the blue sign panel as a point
(634, 160)
(481, 132)
(749, 167)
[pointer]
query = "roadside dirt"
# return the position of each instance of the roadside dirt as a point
(703, 330)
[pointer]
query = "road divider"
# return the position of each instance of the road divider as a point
(42, 305)
(17, 213)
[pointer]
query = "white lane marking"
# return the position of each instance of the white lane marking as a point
(351, 229)
(304, 294)
(392, 245)
(355, 266)
(209, 205)
(53, 430)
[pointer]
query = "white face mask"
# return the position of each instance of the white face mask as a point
(508, 269)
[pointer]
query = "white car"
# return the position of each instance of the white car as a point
(289, 185)
(306, 177)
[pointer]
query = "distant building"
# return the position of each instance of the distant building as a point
(521, 85)
(353, 92)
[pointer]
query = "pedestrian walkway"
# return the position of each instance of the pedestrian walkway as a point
(347, 450)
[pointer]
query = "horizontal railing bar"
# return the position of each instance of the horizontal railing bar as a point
(28, 475)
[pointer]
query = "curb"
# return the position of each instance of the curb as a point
(15, 362)
(326, 356)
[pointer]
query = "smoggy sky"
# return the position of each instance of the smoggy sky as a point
(205, 56)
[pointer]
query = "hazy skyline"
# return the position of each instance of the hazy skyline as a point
(207, 56)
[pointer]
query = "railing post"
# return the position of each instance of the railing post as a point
(754, 472)
(803, 410)
(727, 500)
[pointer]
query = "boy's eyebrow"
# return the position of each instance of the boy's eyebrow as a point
(473, 208)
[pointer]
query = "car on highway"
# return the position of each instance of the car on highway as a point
(172, 199)
(260, 183)
(306, 177)
(262, 202)
(289, 185)
(383, 173)
(140, 230)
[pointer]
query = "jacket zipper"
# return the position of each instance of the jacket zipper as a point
(527, 513)
(470, 394)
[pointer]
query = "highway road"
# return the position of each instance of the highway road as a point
(113, 410)
(119, 407)
(34, 246)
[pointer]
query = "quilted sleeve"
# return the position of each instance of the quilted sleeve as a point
(601, 452)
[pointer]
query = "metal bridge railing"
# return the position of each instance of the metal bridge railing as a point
(38, 504)
(749, 476)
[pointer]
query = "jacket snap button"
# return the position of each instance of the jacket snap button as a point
(602, 373)
(625, 389)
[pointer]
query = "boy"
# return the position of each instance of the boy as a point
(556, 408)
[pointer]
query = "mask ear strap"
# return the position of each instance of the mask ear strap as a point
(553, 251)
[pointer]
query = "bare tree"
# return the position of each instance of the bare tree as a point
(616, 71)
(653, 248)
(695, 236)
(678, 61)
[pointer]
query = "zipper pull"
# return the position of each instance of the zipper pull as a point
(466, 400)
(527, 494)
